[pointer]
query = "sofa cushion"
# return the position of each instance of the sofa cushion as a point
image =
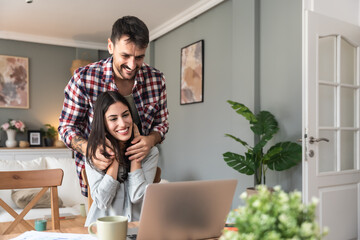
(23, 196)
(18, 165)
(69, 191)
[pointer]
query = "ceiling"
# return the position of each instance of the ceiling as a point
(87, 23)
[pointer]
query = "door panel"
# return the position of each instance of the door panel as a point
(331, 123)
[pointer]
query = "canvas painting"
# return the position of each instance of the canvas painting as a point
(192, 73)
(14, 82)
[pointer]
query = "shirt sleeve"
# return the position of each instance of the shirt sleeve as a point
(102, 186)
(75, 108)
(140, 178)
(161, 124)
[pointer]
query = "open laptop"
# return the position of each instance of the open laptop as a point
(185, 210)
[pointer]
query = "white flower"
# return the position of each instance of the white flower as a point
(243, 195)
(315, 200)
(256, 203)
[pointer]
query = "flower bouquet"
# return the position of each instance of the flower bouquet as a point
(16, 125)
(274, 215)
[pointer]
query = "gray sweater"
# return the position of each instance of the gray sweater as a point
(114, 198)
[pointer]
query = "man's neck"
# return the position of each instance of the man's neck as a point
(124, 86)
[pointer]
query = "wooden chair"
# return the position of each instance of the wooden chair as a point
(45, 179)
(157, 179)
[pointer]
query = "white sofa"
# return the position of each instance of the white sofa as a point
(69, 191)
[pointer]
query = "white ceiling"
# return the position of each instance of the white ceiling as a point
(87, 23)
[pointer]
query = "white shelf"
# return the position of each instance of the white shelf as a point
(34, 152)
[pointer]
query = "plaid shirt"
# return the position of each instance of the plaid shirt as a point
(88, 82)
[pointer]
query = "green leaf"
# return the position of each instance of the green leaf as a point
(265, 127)
(239, 163)
(272, 151)
(289, 156)
(238, 140)
(243, 110)
(266, 124)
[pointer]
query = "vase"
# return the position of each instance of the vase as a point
(11, 142)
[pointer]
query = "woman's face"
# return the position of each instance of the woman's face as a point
(118, 121)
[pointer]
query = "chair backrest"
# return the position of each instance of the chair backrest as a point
(45, 179)
(157, 179)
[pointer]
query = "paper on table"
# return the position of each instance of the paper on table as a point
(34, 235)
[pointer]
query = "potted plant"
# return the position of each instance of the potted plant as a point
(256, 161)
(272, 216)
(50, 134)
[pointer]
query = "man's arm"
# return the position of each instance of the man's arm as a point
(79, 144)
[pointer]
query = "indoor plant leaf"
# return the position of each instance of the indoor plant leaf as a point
(289, 156)
(266, 124)
(243, 110)
(239, 163)
(238, 140)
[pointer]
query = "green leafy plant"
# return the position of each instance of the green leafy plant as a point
(50, 131)
(281, 156)
(273, 216)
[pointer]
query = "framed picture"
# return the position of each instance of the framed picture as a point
(34, 138)
(192, 73)
(14, 82)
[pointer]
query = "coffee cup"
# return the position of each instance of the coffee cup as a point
(110, 228)
(40, 225)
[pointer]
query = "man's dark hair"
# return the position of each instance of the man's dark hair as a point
(134, 28)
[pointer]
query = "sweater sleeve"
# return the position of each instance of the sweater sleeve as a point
(140, 178)
(103, 187)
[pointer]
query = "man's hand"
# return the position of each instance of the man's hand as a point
(142, 145)
(103, 158)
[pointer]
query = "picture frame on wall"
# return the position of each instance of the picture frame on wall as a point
(34, 138)
(14, 82)
(192, 73)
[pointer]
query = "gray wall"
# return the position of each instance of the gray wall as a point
(195, 143)
(281, 82)
(49, 72)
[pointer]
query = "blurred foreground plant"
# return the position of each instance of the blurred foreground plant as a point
(274, 216)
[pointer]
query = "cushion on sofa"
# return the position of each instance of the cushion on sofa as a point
(18, 165)
(69, 191)
(23, 196)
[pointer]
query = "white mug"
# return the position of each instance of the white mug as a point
(110, 228)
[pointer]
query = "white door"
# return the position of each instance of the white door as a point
(331, 119)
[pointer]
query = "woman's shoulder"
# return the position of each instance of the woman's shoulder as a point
(154, 151)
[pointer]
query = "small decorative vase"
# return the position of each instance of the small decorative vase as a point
(11, 142)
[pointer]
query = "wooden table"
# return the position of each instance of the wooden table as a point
(74, 225)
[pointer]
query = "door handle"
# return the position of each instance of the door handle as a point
(312, 140)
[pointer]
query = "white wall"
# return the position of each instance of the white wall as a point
(345, 10)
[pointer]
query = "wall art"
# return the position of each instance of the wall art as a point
(14, 82)
(192, 73)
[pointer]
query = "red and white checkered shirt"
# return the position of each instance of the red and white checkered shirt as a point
(88, 82)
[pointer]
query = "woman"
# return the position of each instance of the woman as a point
(120, 188)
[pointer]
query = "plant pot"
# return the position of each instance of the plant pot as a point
(11, 142)
(252, 191)
(48, 142)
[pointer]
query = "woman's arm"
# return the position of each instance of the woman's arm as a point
(141, 177)
(103, 186)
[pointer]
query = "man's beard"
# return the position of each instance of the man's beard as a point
(126, 68)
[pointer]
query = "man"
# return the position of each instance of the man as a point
(142, 85)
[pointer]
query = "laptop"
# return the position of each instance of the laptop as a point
(185, 210)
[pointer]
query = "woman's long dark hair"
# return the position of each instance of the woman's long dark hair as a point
(99, 133)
